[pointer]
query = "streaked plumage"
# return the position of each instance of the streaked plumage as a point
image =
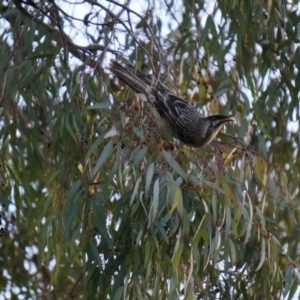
(182, 119)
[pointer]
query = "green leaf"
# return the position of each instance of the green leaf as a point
(70, 217)
(135, 190)
(103, 157)
(73, 191)
(288, 280)
(198, 233)
(154, 203)
(119, 293)
(101, 225)
(227, 188)
(100, 105)
(174, 164)
(177, 251)
(260, 169)
(95, 145)
(228, 221)
(216, 244)
(139, 133)
(246, 102)
(123, 120)
(232, 251)
(261, 217)
(148, 250)
(175, 198)
(52, 177)
(223, 87)
(139, 156)
(262, 254)
(149, 176)
(95, 253)
(204, 33)
(69, 128)
(293, 289)
(249, 220)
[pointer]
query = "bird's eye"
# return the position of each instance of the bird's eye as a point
(214, 121)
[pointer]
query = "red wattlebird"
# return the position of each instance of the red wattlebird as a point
(179, 117)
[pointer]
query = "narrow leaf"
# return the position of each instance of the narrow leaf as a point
(249, 226)
(232, 251)
(95, 145)
(176, 199)
(155, 201)
(135, 190)
(197, 235)
(174, 164)
(100, 105)
(104, 155)
(149, 176)
(139, 156)
(204, 33)
(112, 132)
(139, 133)
(75, 187)
(261, 216)
(262, 254)
(177, 251)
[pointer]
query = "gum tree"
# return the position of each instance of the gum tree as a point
(99, 202)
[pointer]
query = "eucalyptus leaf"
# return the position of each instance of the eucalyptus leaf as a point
(103, 157)
(174, 164)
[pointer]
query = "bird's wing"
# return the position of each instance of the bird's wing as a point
(170, 104)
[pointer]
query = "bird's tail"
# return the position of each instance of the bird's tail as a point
(137, 84)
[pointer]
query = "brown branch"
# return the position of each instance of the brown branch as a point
(116, 17)
(62, 33)
(161, 57)
(76, 50)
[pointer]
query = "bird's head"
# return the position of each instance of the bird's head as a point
(214, 126)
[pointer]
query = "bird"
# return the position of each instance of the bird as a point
(180, 118)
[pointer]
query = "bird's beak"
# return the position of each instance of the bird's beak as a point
(222, 119)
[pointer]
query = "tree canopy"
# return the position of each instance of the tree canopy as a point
(98, 202)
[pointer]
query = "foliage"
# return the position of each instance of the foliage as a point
(99, 202)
